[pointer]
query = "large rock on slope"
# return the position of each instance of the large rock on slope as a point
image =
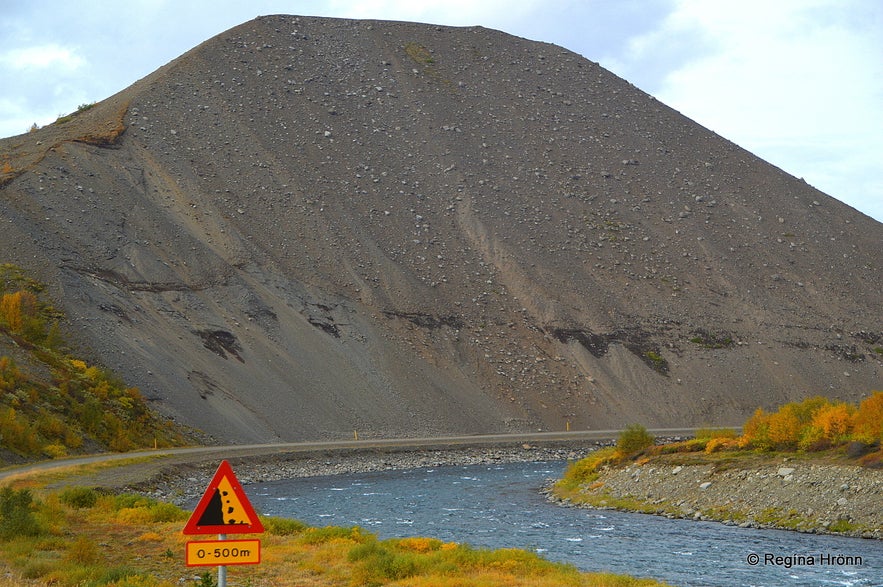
(305, 227)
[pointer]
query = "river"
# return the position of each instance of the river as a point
(498, 506)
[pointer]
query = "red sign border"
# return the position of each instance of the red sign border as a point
(254, 527)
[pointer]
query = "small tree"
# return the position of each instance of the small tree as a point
(16, 514)
(835, 421)
(634, 439)
(869, 420)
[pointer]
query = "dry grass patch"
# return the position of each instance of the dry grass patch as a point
(84, 538)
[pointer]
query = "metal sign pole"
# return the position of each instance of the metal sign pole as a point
(222, 569)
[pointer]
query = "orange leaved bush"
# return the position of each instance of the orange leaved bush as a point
(815, 423)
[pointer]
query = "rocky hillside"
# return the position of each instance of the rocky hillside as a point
(305, 227)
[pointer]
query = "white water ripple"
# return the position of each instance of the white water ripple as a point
(500, 506)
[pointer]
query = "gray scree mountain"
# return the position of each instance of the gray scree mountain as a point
(308, 226)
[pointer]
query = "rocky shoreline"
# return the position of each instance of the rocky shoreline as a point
(181, 484)
(801, 496)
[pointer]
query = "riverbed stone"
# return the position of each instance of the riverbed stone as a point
(816, 492)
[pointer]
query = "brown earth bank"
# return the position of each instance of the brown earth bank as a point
(309, 226)
(786, 493)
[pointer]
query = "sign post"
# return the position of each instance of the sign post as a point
(224, 509)
(222, 569)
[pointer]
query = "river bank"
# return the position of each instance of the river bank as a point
(778, 492)
(184, 482)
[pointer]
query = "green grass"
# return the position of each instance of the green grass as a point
(85, 538)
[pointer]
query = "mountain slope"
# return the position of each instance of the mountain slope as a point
(306, 226)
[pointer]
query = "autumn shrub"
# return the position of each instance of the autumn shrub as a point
(719, 443)
(682, 446)
(420, 544)
(783, 428)
(10, 376)
(835, 421)
(283, 526)
(147, 511)
(815, 424)
(16, 432)
(755, 431)
(634, 439)
(82, 551)
(331, 533)
(812, 438)
(868, 422)
(22, 314)
(79, 497)
(586, 470)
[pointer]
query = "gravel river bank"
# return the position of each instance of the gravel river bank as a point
(781, 493)
(795, 495)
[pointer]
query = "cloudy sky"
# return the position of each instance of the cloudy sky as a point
(798, 82)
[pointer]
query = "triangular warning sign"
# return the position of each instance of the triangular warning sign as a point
(224, 508)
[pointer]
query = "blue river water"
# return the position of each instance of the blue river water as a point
(499, 506)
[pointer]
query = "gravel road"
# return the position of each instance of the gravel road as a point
(163, 470)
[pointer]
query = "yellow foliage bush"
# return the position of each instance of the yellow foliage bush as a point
(784, 428)
(83, 551)
(18, 311)
(755, 432)
(419, 544)
(835, 421)
(815, 424)
(719, 443)
(868, 423)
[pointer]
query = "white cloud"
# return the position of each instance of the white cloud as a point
(42, 57)
(797, 82)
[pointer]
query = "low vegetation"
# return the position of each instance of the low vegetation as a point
(818, 424)
(814, 425)
(81, 537)
(52, 403)
(62, 118)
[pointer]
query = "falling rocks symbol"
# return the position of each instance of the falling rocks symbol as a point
(224, 508)
(214, 513)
